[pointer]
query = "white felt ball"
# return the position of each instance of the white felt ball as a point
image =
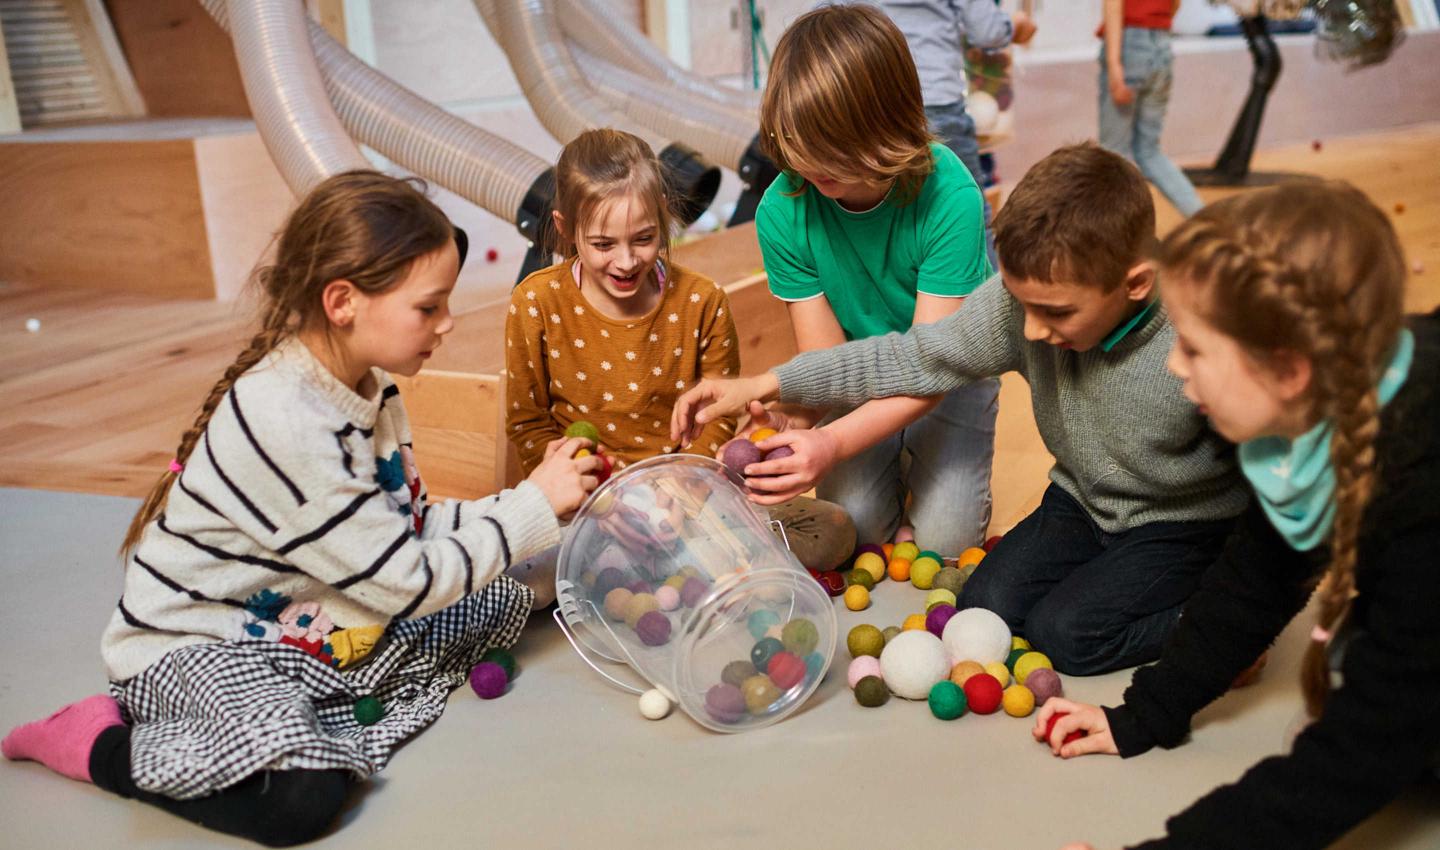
(984, 109)
(976, 634)
(912, 662)
(32, 325)
(654, 705)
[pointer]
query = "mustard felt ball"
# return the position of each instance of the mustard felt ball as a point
(906, 549)
(1029, 663)
(939, 596)
(865, 639)
(616, 601)
(913, 622)
(800, 636)
(857, 598)
(999, 671)
(760, 693)
(676, 581)
(639, 605)
(872, 564)
(1017, 642)
(923, 572)
(1018, 701)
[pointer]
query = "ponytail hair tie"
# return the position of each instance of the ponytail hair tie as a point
(1320, 635)
(176, 466)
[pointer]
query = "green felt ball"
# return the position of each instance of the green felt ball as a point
(763, 651)
(503, 658)
(581, 428)
(368, 711)
(860, 577)
(947, 700)
(929, 553)
(871, 691)
(1013, 657)
(949, 579)
(800, 636)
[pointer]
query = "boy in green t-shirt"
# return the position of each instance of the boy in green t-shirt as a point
(873, 228)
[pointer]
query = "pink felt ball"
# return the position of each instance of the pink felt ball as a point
(668, 597)
(653, 628)
(692, 591)
(785, 670)
(865, 665)
(725, 703)
(1044, 683)
(738, 454)
(488, 680)
(938, 616)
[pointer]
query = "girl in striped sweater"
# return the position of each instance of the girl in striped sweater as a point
(294, 607)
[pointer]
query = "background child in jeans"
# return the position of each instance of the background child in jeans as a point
(1135, 77)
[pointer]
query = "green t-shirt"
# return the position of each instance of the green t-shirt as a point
(871, 264)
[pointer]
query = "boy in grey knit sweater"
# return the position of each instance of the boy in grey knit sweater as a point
(1142, 493)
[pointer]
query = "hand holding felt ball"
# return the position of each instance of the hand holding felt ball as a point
(792, 462)
(1073, 729)
(565, 479)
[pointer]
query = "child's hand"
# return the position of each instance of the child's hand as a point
(713, 398)
(1024, 28)
(761, 417)
(564, 479)
(776, 481)
(1088, 719)
(1122, 94)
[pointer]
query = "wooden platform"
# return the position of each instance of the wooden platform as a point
(96, 400)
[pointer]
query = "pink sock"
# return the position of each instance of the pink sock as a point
(62, 741)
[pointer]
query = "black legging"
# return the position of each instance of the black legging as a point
(275, 808)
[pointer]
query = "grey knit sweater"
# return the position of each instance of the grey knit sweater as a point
(1127, 444)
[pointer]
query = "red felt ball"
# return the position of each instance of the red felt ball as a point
(785, 670)
(990, 543)
(602, 472)
(833, 581)
(1050, 727)
(983, 692)
(491, 255)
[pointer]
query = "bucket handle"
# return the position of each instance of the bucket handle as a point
(780, 527)
(565, 630)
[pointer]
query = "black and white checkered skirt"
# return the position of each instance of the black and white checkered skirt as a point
(207, 716)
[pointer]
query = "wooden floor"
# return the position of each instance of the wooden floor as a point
(97, 398)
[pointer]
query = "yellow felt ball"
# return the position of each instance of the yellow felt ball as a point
(1018, 642)
(857, 598)
(582, 453)
(999, 671)
(872, 564)
(970, 557)
(913, 622)
(923, 572)
(899, 569)
(1029, 663)
(907, 550)
(1018, 701)
(939, 596)
(964, 670)
(865, 639)
(762, 434)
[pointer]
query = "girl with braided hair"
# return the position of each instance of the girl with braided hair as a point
(294, 607)
(1287, 306)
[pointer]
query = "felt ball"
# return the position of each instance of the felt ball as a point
(800, 636)
(368, 710)
(725, 703)
(32, 325)
(639, 605)
(906, 534)
(736, 672)
(913, 622)
(488, 680)
(998, 670)
(898, 569)
(761, 620)
(690, 571)
(607, 466)
(833, 582)
(760, 693)
(939, 594)
(890, 632)
(1018, 701)
(912, 663)
(785, 670)
(871, 692)
(885, 551)
(1050, 727)
(1029, 663)
(961, 672)
(1017, 642)
(653, 627)
(865, 665)
(990, 542)
(763, 650)
(760, 434)
(1044, 683)
(1012, 657)
(931, 554)
(983, 693)
(692, 592)
(927, 563)
(779, 453)
(869, 547)
(609, 579)
(814, 665)
(638, 586)
(616, 602)
(774, 632)
(937, 617)
(865, 639)
(947, 700)
(906, 549)
(949, 579)
(977, 634)
(738, 454)
(870, 563)
(970, 557)
(857, 598)
(859, 577)
(654, 705)
(923, 572)
(581, 428)
(579, 453)
(501, 657)
(668, 597)
(676, 581)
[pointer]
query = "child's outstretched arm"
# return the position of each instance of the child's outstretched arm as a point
(528, 423)
(719, 358)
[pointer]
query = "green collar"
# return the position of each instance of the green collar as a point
(1119, 333)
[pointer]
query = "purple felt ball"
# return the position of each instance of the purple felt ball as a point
(725, 703)
(639, 586)
(776, 454)
(937, 618)
(738, 454)
(692, 591)
(871, 547)
(609, 579)
(1044, 683)
(653, 628)
(488, 679)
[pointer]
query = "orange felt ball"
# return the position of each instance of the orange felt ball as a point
(763, 434)
(973, 555)
(899, 570)
(888, 549)
(913, 622)
(961, 673)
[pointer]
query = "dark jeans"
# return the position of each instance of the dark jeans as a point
(1093, 601)
(954, 127)
(275, 808)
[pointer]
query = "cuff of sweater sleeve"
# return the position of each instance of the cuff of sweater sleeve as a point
(527, 519)
(1130, 737)
(793, 376)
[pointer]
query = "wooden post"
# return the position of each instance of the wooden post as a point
(9, 108)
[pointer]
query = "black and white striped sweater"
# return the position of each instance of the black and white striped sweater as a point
(297, 488)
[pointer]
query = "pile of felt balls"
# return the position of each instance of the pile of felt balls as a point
(873, 563)
(642, 605)
(782, 658)
(958, 661)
